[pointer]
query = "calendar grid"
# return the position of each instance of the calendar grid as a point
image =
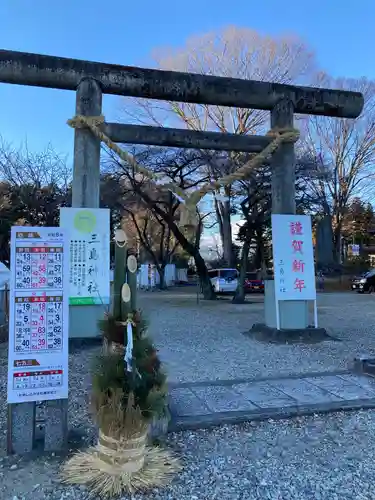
(39, 267)
(38, 346)
(37, 379)
(38, 324)
(38, 317)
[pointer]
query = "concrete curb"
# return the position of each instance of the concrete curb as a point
(207, 419)
(239, 417)
(228, 382)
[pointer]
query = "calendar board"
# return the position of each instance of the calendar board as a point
(38, 315)
(89, 241)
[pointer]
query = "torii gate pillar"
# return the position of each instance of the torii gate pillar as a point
(294, 314)
(83, 319)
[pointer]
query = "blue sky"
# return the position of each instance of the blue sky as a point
(341, 33)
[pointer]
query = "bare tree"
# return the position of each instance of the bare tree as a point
(20, 166)
(181, 167)
(342, 152)
(33, 187)
(231, 52)
(255, 206)
(150, 234)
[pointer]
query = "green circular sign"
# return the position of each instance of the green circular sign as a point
(85, 221)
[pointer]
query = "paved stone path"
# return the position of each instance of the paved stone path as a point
(204, 404)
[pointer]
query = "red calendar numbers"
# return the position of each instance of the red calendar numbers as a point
(38, 323)
(39, 267)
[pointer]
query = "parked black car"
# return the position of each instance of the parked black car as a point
(364, 283)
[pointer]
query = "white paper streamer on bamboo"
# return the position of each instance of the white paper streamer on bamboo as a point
(129, 346)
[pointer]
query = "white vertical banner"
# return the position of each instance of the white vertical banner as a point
(89, 241)
(38, 315)
(293, 257)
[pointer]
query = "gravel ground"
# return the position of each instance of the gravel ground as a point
(312, 458)
(319, 457)
(206, 341)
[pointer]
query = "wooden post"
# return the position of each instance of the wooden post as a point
(291, 314)
(86, 170)
(86, 191)
(283, 163)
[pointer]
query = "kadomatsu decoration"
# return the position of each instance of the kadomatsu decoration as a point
(129, 392)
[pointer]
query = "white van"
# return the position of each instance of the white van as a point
(223, 280)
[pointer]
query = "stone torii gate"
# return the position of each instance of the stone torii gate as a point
(90, 80)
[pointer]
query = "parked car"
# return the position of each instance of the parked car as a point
(223, 280)
(364, 283)
(253, 283)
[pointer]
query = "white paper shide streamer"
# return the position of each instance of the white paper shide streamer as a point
(129, 347)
